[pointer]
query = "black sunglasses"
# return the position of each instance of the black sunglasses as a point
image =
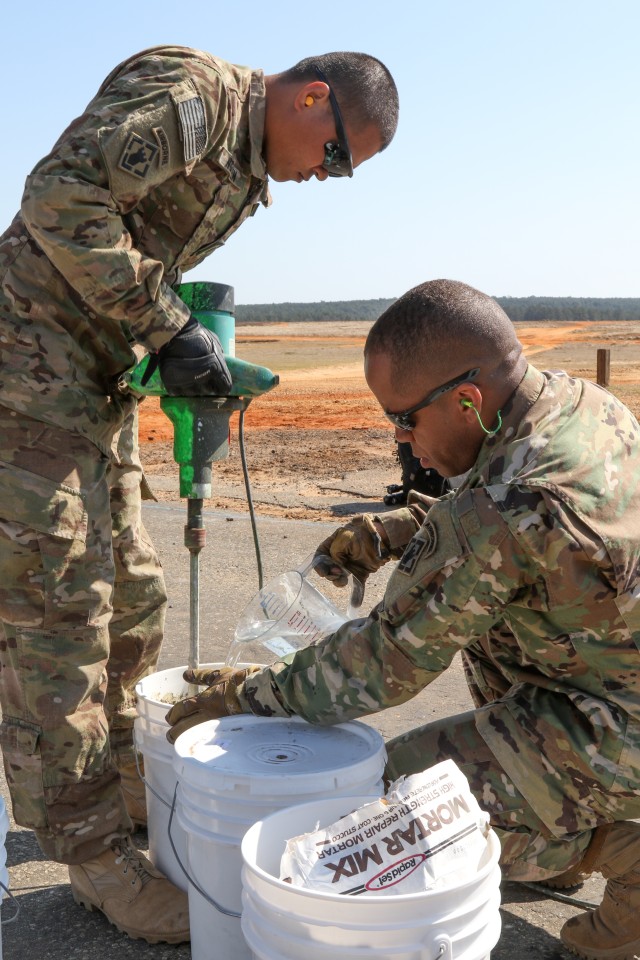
(405, 421)
(337, 156)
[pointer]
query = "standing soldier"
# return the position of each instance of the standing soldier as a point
(165, 163)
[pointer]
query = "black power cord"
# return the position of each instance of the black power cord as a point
(247, 486)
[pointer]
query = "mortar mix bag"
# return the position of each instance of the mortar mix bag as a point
(426, 832)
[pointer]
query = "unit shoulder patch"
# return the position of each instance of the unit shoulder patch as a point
(422, 546)
(137, 156)
(163, 143)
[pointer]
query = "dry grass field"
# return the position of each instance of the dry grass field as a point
(322, 423)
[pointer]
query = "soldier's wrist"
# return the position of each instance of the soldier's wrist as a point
(259, 694)
(379, 528)
(396, 529)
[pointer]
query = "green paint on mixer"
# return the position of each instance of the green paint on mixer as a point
(213, 304)
(201, 424)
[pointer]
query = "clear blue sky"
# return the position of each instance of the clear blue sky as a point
(515, 166)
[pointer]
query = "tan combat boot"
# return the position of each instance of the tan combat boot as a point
(135, 798)
(612, 932)
(132, 894)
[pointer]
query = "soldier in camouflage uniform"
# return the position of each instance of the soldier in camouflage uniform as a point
(168, 159)
(531, 569)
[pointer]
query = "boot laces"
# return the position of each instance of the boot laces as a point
(127, 854)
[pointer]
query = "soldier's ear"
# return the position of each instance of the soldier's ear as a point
(312, 94)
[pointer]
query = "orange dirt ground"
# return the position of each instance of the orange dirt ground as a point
(322, 422)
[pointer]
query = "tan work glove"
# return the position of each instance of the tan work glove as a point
(356, 547)
(220, 699)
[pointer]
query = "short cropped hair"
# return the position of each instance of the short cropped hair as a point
(443, 327)
(364, 88)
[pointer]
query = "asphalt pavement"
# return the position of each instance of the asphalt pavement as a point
(49, 926)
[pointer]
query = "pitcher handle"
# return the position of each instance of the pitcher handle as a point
(356, 586)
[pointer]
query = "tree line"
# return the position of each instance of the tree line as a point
(516, 308)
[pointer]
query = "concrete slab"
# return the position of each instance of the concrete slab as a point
(51, 927)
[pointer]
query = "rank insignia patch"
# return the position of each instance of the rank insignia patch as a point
(193, 123)
(138, 156)
(421, 546)
(226, 160)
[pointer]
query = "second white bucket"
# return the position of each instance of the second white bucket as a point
(235, 771)
(283, 922)
(156, 695)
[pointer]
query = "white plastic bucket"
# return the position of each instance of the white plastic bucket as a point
(4, 873)
(150, 739)
(283, 922)
(156, 693)
(235, 771)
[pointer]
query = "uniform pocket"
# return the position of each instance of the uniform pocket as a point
(41, 504)
(20, 744)
(47, 576)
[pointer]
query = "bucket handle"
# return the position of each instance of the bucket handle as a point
(16, 904)
(146, 782)
(445, 950)
(203, 893)
(171, 808)
(357, 587)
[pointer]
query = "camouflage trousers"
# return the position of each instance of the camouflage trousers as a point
(535, 844)
(82, 604)
(528, 851)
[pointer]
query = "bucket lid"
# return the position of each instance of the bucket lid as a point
(277, 756)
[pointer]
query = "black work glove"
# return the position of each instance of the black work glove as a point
(191, 363)
(219, 699)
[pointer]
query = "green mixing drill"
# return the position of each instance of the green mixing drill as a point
(201, 424)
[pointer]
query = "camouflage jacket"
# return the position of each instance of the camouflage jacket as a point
(163, 165)
(534, 564)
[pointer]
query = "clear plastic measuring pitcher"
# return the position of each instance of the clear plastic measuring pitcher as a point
(290, 612)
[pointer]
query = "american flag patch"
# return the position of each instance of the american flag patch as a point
(193, 122)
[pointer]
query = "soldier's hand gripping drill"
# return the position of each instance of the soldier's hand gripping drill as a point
(192, 363)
